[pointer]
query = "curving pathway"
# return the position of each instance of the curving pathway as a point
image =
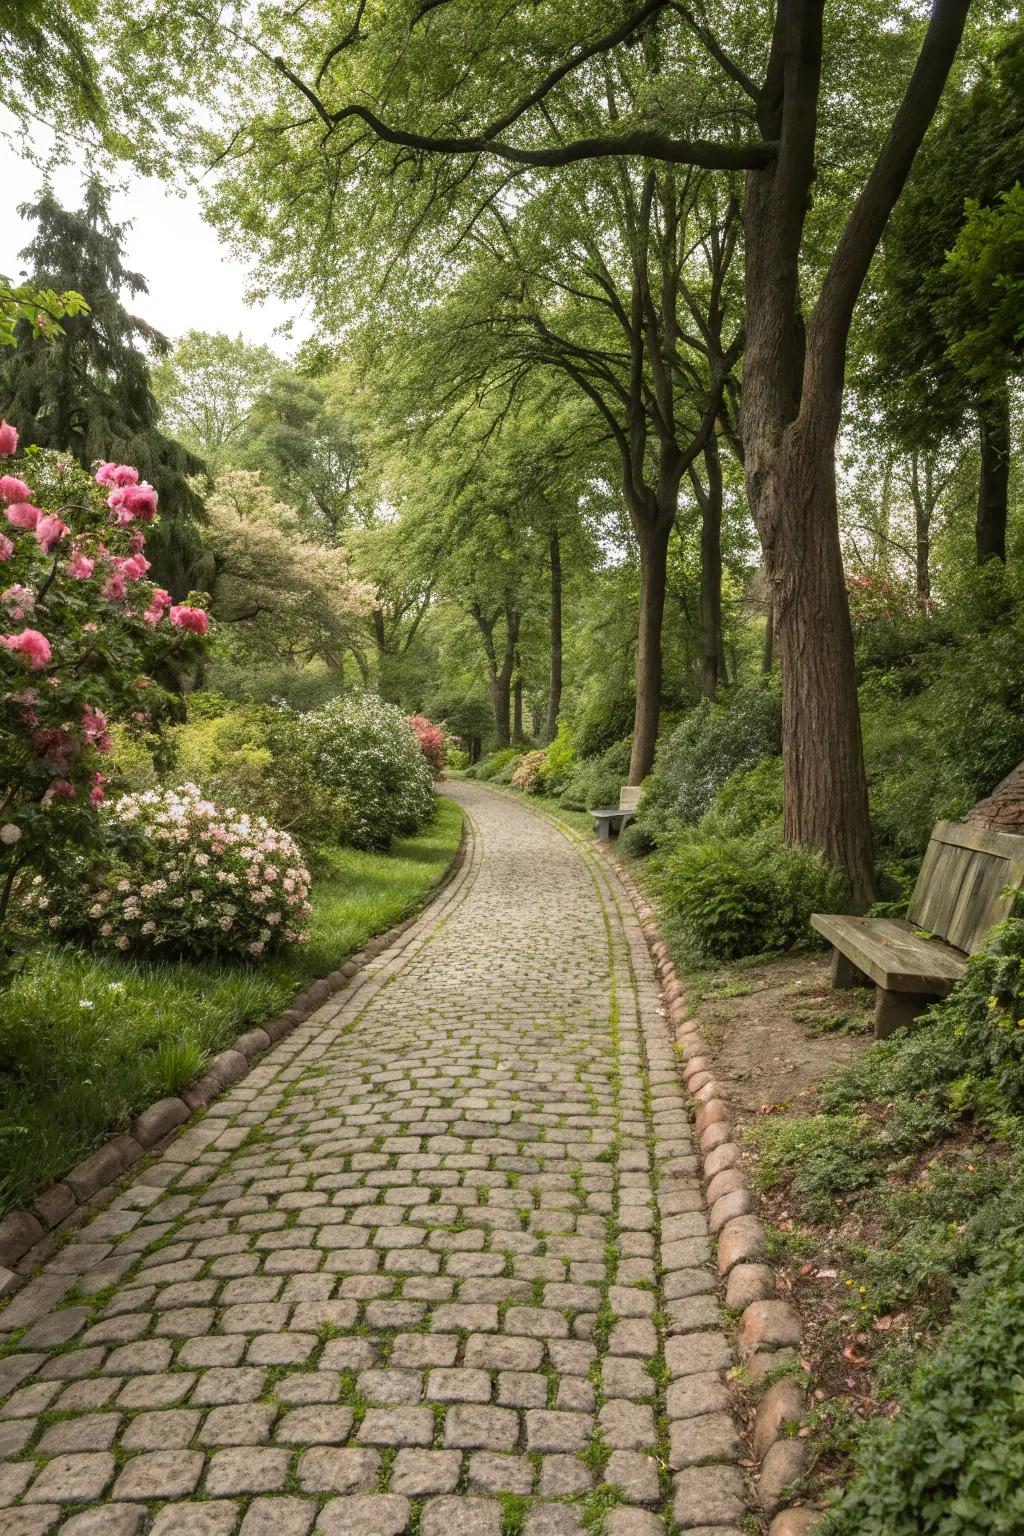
(437, 1265)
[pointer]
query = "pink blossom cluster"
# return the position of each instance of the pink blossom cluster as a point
(432, 741)
(208, 880)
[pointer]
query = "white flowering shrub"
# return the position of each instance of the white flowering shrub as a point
(192, 878)
(365, 753)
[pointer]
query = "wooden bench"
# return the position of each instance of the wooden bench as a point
(967, 882)
(610, 820)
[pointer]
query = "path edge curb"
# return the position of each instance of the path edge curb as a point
(85, 1185)
(770, 1329)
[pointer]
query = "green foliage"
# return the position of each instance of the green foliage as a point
(952, 1462)
(489, 767)
(733, 896)
(636, 840)
(559, 761)
(363, 752)
(822, 1157)
(597, 781)
(750, 800)
(712, 742)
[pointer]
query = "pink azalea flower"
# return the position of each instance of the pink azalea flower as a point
(114, 590)
(60, 789)
(94, 722)
(134, 566)
(49, 531)
(23, 515)
(152, 614)
(195, 619)
(31, 644)
(117, 475)
(80, 566)
(8, 439)
(98, 794)
(6, 547)
(137, 543)
(133, 501)
(13, 489)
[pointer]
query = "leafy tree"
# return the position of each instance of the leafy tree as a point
(379, 102)
(290, 597)
(919, 365)
(206, 388)
(89, 391)
(298, 436)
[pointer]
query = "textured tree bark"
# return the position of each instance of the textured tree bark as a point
(555, 670)
(924, 506)
(712, 661)
(994, 480)
(826, 787)
(518, 736)
(653, 542)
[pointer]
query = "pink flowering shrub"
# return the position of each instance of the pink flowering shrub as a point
(528, 773)
(83, 633)
(192, 878)
(432, 740)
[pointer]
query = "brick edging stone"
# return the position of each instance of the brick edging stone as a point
(770, 1330)
(67, 1200)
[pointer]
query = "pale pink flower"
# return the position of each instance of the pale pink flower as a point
(94, 723)
(195, 619)
(134, 501)
(98, 794)
(8, 440)
(80, 566)
(60, 789)
(117, 475)
(31, 644)
(19, 601)
(114, 590)
(6, 547)
(49, 531)
(22, 514)
(13, 489)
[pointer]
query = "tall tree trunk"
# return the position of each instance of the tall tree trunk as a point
(555, 671)
(713, 661)
(924, 504)
(768, 656)
(653, 543)
(826, 787)
(518, 735)
(994, 481)
(501, 706)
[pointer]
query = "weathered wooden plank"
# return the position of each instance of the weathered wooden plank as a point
(958, 834)
(890, 952)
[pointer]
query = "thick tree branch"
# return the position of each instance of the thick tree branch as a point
(830, 325)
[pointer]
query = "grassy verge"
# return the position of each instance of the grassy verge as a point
(88, 1040)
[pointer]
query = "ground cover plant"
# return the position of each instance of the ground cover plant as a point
(89, 1038)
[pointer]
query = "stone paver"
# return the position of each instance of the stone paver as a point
(444, 1244)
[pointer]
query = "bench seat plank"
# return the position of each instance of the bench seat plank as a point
(889, 950)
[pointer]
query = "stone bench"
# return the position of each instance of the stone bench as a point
(610, 820)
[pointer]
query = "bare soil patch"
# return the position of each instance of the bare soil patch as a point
(776, 1028)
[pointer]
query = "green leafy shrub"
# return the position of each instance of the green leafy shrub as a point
(711, 743)
(227, 754)
(506, 773)
(598, 780)
(491, 765)
(559, 761)
(952, 1462)
(361, 752)
(750, 800)
(822, 1157)
(739, 896)
(637, 840)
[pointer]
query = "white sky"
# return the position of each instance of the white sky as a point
(194, 282)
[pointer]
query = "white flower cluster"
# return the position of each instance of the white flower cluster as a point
(207, 879)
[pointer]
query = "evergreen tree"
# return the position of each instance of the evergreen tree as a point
(89, 392)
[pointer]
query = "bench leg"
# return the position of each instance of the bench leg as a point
(845, 973)
(602, 829)
(893, 1010)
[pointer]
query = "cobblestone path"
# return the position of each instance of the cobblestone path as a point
(437, 1265)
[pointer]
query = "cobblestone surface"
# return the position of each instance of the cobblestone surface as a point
(439, 1261)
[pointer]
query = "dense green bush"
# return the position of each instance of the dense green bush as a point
(952, 1462)
(734, 896)
(710, 744)
(559, 762)
(363, 753)
(598, 780)
(637, 840)
(749, 801)
(490, 766)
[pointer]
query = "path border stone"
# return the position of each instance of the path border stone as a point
(770, 1331)
(28, 1237)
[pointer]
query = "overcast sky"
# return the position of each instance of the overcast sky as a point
(194, 283)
